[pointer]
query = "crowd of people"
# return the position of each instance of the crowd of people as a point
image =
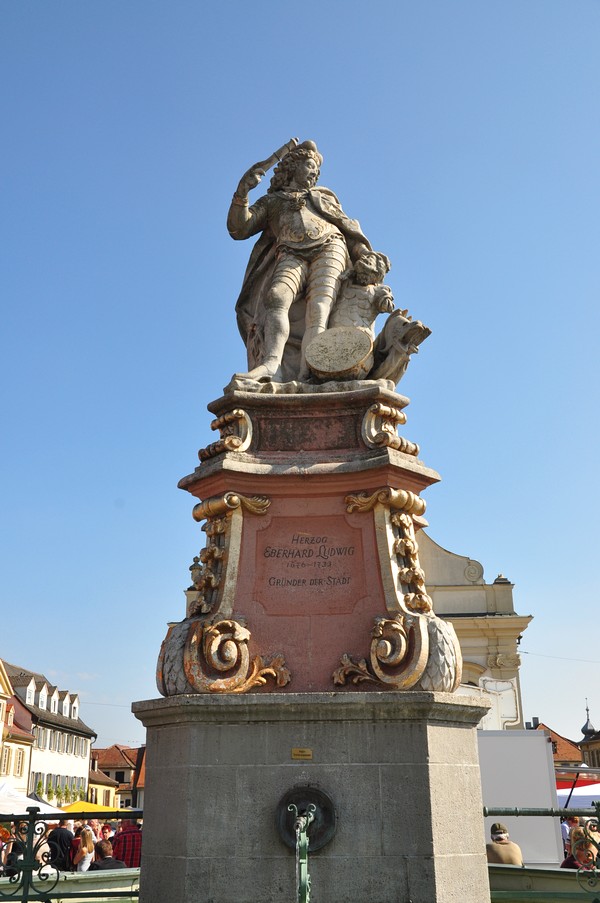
(581, 840)
(74, 845)
(580, 836)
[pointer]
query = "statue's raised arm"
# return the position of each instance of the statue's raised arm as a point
(239, 215)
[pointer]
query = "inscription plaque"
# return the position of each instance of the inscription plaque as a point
(313, 567)
(299, 752)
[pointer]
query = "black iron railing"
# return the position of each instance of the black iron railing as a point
(584, 849)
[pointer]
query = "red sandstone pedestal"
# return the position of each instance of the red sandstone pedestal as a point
(310, 577)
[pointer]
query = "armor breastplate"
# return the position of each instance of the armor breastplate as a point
(296, 225)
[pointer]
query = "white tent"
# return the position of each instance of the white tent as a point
(581, 798)
(14, 803)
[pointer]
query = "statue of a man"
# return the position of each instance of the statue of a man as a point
(296, 267)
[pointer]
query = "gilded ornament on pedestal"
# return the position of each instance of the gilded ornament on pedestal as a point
(397, 658)
(214, 571)
(411, 648)
(208, 651)
(379, 427)
(216, 659)
(396, 499)
(235, 428)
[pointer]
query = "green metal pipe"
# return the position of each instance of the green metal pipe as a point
(557, 813)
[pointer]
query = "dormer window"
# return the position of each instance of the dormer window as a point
(54, 704)
(30, 697)
(75, 709)
(11, 716)
(65, 706)
(43, 699)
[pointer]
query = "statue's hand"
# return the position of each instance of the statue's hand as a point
(250, 180)
(384, 299)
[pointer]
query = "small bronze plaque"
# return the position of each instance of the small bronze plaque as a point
(300, 753)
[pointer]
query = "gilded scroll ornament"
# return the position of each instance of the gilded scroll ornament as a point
(411, 648)
(216, 659)
(394, 499)
(235, 428)
(214, 571)
(379, 427)
(403, 577)
(411, 576)
(419, 653)
(397, 658)
(200, 657)
(257, 504)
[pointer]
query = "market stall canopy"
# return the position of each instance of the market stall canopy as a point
(14, 803)
(82, 806)
(581, 798)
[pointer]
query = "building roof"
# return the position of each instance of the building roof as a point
(98, 777)
(116, 756)
(140, 772)
(22, 716)
(17, 733)
(21, 677)
(563, 750)
(20, 729)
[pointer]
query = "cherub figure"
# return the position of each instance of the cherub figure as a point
(361, 298)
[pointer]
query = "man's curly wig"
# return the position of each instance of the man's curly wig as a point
(285, 169)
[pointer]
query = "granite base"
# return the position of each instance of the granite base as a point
(401, 768)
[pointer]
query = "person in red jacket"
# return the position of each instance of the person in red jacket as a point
(127, 845)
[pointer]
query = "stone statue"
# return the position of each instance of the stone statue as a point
(349, 348)
(312, 289)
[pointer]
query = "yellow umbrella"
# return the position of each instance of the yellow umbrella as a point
(82, 806)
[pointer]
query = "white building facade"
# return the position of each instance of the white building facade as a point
(487, 626)
(60, 757)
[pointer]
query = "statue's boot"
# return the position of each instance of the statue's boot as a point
(277, 330)
(265, 371)
(304, 374)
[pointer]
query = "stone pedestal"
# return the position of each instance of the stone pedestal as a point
(400, 767)
(310, 577)
(310, 657)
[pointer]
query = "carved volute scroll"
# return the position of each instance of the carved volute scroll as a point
(214, 571)
(397, 656)
(411, 647)
(379, 427)
(208, 651)
(403, 578)
(216, 659)
(235, 428)
(204, 656)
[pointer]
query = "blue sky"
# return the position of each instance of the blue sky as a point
(465, 137)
